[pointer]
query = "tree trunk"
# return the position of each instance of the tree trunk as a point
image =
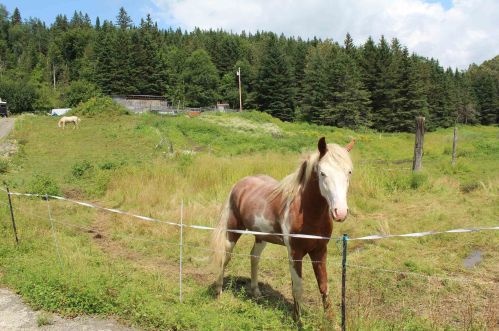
(418, 146)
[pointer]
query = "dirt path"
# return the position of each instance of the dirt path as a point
(16, 315)
(6, 125)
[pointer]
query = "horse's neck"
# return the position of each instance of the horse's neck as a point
(312, 202)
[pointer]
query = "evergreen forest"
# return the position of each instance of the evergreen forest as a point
(376, 85)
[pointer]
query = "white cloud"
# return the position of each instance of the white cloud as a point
(465, 33)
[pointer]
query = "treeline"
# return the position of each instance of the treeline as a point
(376, 85)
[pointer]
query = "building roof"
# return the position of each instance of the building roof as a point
(141, 97)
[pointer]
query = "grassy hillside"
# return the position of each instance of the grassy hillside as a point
(116, 265)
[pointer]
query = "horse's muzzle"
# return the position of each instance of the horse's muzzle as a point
(339, 214)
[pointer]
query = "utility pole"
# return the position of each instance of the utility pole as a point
(53, 66)
(240, 93)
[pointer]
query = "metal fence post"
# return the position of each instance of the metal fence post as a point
(181, 246)
(343, 282)
(12, 215)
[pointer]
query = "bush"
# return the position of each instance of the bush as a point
(99, 106)
(19, 95)
(4, 166)
(418, 179)
(81, 91)
(43, 185)
(79, 169)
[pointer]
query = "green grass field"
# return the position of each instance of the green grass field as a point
(94, 262)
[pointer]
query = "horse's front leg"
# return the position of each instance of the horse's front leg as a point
(319, 263)
(295, 266)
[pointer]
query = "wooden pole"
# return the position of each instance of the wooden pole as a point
(240, 91)
(53, 66)
(454, 144)
(418, 146)
(344, 283)
(12, 216)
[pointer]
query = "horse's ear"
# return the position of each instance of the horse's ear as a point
(349, 146)
(322, 145)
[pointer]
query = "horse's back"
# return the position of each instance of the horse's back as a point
(253, 206)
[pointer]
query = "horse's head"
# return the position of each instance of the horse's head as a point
(334, 169)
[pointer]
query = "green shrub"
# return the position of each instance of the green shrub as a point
(81, 91)
(418, 179)
(108, 166)
(99, 106)
(4, 166)
(79, 169)
(42, 184)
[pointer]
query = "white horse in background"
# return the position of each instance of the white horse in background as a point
(69, 119)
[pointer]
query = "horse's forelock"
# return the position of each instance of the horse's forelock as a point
(340, 156)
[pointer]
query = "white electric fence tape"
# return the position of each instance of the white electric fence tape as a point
(202, 227)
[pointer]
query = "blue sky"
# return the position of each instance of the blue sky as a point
(46, 10)
(456, 32)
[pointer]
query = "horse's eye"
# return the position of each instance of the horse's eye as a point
(350, 172)
(323, 174)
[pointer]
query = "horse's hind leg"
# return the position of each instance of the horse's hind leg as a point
(231, 241)
(255, 259)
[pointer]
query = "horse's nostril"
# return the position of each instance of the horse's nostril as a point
(335, 212)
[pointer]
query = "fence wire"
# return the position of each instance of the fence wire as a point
(52, 220)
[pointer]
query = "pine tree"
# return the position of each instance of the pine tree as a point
(16, 17)
(412, 92)
(486, 91)
(351, 106)
(315, 87)
(104, 51)
(124, 81)
(349, 45)
(201, 80)
(123, 20)
(274, 90)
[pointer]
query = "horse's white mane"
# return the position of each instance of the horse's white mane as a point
(291, 185)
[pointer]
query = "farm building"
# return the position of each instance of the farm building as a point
(222, 106)
(142, 103)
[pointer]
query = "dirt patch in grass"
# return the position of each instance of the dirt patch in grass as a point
(118, 248)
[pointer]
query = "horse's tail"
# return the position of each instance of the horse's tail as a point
(59, 124)
(219, 238)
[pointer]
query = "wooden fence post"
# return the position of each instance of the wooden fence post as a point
(418, 146)
(454, 144)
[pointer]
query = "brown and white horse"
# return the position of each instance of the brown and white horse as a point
(304, 202)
